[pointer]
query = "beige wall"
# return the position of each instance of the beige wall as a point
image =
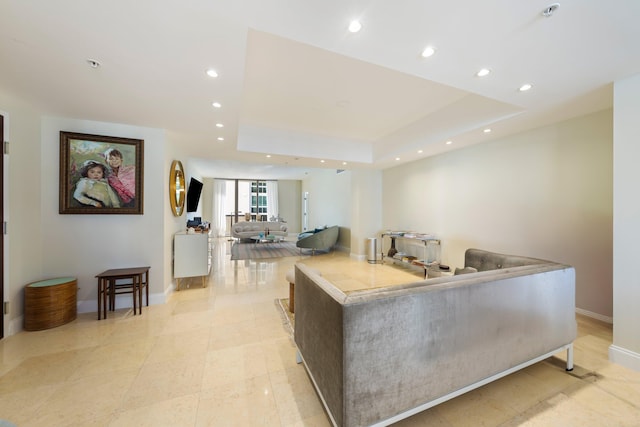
(366, 215)
(329, 197)
(85, 245)
(290, 203)
(626, 290)
(544, 193)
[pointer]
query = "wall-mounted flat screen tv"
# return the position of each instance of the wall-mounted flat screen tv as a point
(193, 195)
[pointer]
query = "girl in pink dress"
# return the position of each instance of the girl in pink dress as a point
(122, 177)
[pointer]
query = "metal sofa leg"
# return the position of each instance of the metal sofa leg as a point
(570, 357)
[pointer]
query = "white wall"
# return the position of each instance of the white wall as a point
(626, 281)
(23, 244)
(545, 193)
(85, 245)
(329, 198)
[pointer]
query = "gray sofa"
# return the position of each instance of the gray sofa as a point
(248, 229)
(380, 355)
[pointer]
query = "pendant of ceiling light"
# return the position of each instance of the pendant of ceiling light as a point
(550, 10)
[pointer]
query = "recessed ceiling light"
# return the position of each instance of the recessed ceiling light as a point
(428, 51)
(219, 125)
(419, 151)
(483, 72)
(525, 87)
(220, 138)
(397, 158)
(355, 26)
(449, 142)
(212, 73)
(93, 63)
(321, 161)
(216, 105)
(268, 155)
(487, 130)
(344, 163)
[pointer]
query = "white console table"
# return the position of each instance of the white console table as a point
(191, 256)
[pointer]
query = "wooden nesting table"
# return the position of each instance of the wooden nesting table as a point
(50, 303)
(108, 287)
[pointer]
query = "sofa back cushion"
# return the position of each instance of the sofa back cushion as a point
(243, 226)
(484, 260)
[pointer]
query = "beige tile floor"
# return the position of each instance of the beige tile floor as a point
(220, 356)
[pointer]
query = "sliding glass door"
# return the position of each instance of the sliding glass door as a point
(259, 200)
(246, 200)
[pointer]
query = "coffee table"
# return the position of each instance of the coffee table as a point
(271, 238)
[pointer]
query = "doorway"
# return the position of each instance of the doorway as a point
(2, 221)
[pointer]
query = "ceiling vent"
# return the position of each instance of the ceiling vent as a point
(550, 10)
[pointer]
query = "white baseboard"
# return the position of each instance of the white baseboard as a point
(15, 326)
(596, 316)
(624, 357)
(357, 257)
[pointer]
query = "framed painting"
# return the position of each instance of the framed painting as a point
(100, 174)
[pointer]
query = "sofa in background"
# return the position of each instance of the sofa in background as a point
(247, 229)
(377, 356)
(322, 239)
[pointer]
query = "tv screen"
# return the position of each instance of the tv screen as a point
(193, 195)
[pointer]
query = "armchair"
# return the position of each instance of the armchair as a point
(320, 240)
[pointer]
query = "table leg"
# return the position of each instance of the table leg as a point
(106, 297)
(134, 291)
(146, 284)
(140, 292)
(291, 297)
(104, 289)
(99, 297)
(112, 295)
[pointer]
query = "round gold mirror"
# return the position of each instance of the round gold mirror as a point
(177, 193)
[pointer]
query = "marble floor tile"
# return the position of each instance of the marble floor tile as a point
(178, 412)
(77, 402)
(109, 358)
(165, 380)
(248, 402)
(222, 356)
(295, 395)
(179, 346)
(233, 364)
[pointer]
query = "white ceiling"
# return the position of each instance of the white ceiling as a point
(295, 84)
